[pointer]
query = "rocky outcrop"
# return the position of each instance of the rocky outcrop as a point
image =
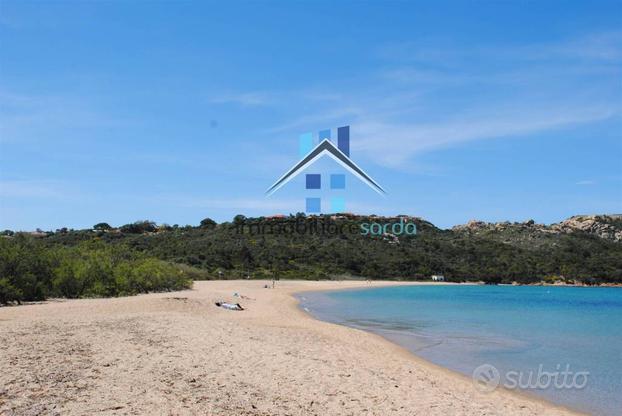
(608, 227)
(605, 226)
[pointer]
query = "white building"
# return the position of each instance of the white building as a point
(438, 278)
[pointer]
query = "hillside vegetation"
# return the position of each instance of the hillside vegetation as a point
(144, 257)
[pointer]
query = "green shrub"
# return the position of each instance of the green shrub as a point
(193, 273)
(8, 292)
(30, 271)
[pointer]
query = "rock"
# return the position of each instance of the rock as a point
(608, 227)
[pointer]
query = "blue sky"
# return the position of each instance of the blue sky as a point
(177, 111)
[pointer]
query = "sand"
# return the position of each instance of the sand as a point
(179, 354)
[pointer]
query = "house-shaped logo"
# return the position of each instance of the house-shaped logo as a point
(309, 154)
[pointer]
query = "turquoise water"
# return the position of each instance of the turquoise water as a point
(523, 331)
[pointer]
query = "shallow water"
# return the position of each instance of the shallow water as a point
(525, 332)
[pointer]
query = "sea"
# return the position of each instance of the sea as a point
(563, 344)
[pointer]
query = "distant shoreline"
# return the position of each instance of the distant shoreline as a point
(391, 282)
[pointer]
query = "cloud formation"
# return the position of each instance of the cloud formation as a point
(427, 99)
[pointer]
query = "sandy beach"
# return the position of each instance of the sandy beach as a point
(178, 354)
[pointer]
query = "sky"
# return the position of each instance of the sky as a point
(177, 111)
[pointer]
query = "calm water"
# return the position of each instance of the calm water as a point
(516, 329)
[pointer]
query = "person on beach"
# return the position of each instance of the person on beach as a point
(230, 306)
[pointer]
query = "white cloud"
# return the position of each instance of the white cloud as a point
(26, 117)
(310, 122)
(246, 99)
(429, 99)
(605, 45)
(31, 189)
(229, 204)
(274, 98)
(406, 140)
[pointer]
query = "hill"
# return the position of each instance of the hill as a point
(581, 249)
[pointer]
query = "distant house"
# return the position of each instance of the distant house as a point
(342, 216)
(438, 278)
(391, 238)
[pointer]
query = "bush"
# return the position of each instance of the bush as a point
(8, 292)
(30, 271)
(102, 226)
(193, 273)
(149, 275)
(139, 227)
(208, 223)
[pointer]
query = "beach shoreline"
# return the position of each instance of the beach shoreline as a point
(177, 353)
(423, 361)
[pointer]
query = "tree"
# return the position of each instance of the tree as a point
(239, 219)
(208, 223)
(102, 226)
(165, 227)
(139, 227)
